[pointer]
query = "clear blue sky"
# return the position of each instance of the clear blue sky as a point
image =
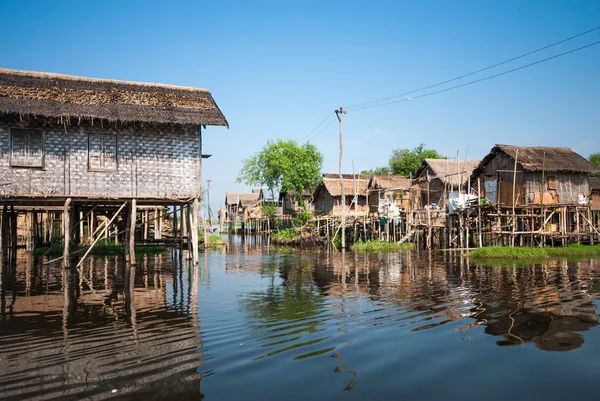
(277, 68)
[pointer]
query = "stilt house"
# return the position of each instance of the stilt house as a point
(328, 195)
(86, 144)
(237, 202)
(389, 187)
(436, 178)
(539, 175)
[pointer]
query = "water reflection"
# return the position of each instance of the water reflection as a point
(297, 324)
(101, 331)
(550, 305)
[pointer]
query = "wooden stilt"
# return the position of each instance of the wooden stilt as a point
(66, 231)
(131, 236)
(194, 229)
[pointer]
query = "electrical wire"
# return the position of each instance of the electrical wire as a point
(482, 79)
(315, 128)
(358, 105)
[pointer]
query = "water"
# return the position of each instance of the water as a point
(254, 322)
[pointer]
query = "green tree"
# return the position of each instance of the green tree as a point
(406, 162)
(378, 171)
(283, 166)
(595, 159)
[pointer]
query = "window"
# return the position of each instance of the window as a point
(102, 152)
(27, 148)
(551, 183)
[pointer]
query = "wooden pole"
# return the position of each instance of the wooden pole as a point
(514, 219)
(479, 236)
(340, 115)
(66, 231)
(131, 240)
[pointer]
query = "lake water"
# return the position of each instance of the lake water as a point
(258, 323)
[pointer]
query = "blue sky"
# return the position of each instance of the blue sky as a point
(277, 68)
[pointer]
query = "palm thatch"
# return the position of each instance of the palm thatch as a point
(390, 182)
(538, 158)
(334, 187)
(65, 97)
(446, 170)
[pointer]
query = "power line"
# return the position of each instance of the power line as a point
(482, 79)
(323, 129)
(358, 106)
(315, 128)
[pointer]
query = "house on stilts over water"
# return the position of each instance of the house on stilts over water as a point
(534, 196)
(85, 147)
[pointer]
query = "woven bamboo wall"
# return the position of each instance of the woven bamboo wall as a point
(151, 161)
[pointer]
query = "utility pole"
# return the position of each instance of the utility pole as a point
(340, 116)
(208, 200)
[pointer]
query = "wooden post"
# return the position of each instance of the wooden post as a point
(146, 218)
(175, 223)
(514, 219)
(80, 225)
(479, 237)
(131, 236)
(66, 231)
(4, 232)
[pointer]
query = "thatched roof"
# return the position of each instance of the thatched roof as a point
(332, 185)
(447, 169)
(538, 158)
(594, 184)
(66, 96)
(242, 198)
(390, 182)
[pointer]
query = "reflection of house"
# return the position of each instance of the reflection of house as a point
(436, 178)
(328, 196)
(392, 187)
(545, 175)
(123, 334)
(594, 192)
(236, 203)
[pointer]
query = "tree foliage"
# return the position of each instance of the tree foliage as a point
(283, 166)
(406, 162)
(595, 159)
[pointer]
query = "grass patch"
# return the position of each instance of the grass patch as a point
(213, 240)
(381, 246)
(505, 252)
(101, 250)
(285, 235)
